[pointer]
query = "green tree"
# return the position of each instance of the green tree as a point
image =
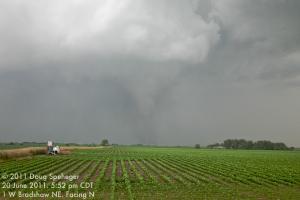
(104, 142)
(197, 146)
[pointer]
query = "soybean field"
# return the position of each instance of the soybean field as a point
(155, 173)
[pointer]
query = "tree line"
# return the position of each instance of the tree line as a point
(248, 144)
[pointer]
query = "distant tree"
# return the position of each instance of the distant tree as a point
(280, 146)
(249, 145)
(104, 142)
(261, 144)
(228, 144)
(197, 146)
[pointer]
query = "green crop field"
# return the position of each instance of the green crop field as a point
(157, 173)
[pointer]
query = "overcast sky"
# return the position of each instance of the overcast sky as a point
(167, 72)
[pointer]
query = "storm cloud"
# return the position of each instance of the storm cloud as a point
(163, 72)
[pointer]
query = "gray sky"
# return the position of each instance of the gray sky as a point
(153, 72)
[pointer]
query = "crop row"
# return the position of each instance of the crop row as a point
(120, 174)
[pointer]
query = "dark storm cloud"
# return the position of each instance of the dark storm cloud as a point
(165, 72)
